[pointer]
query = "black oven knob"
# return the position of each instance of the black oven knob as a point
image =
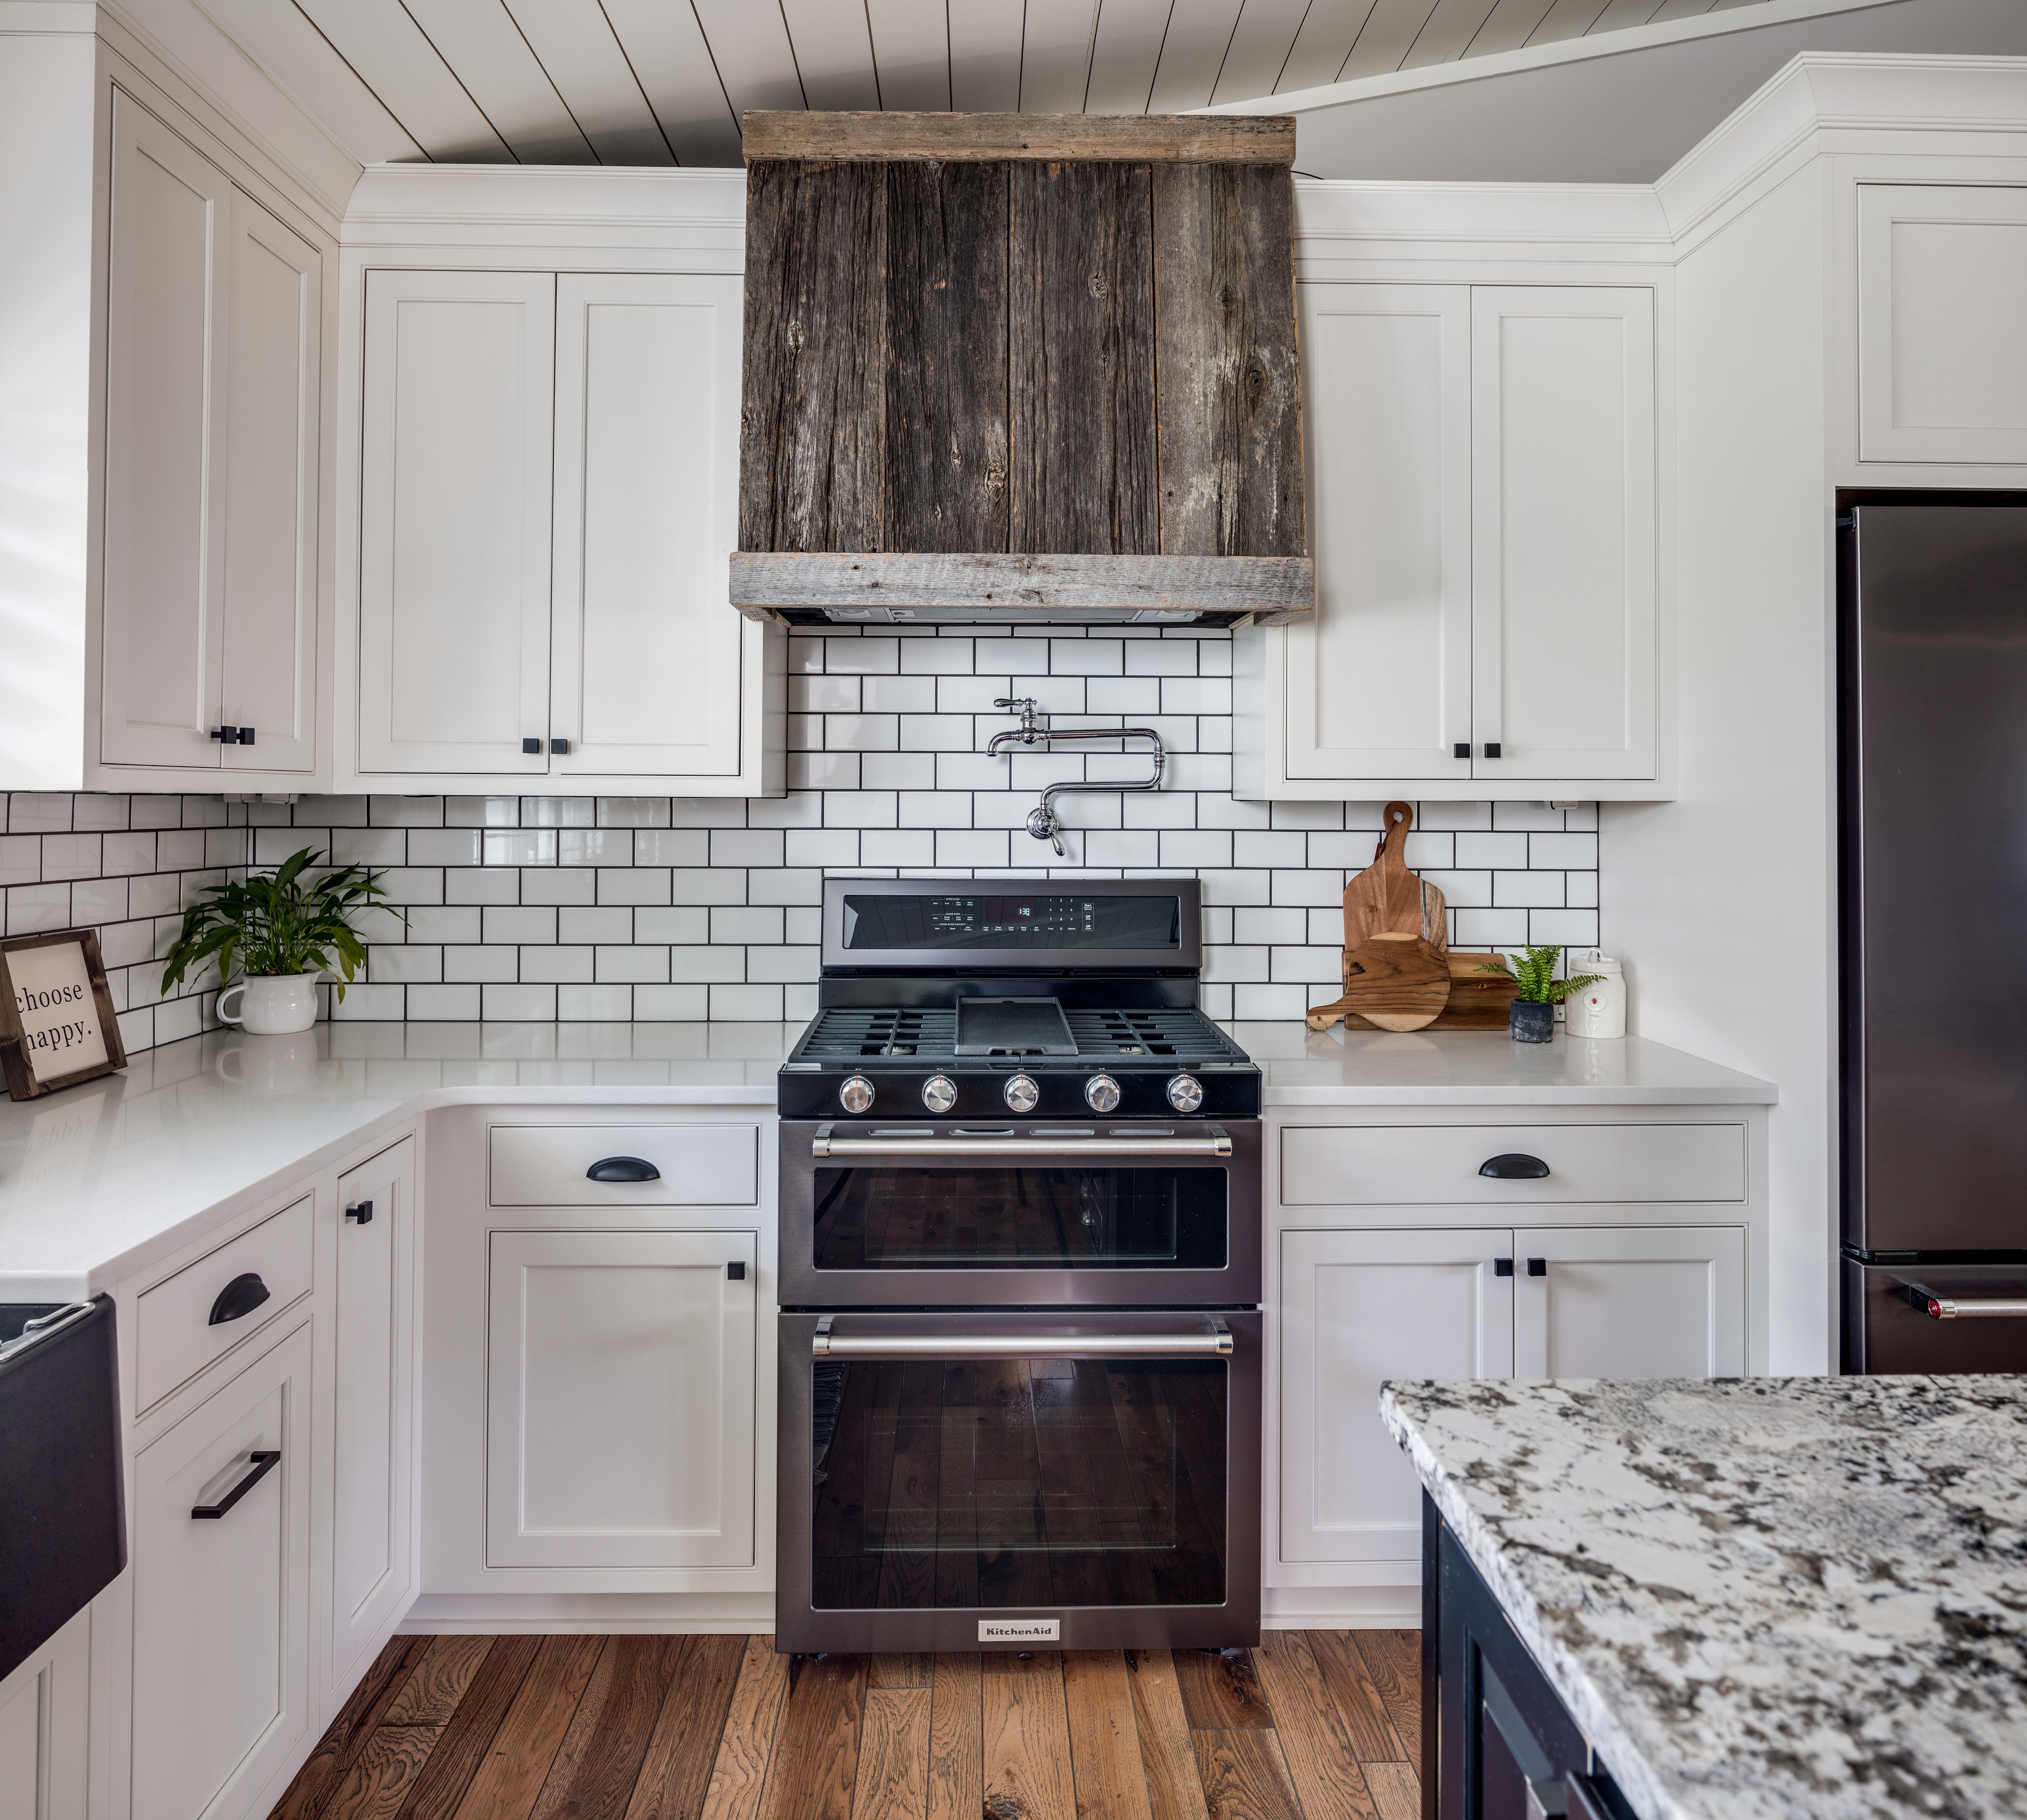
(1022, 1094)
(938, 1093)
(1101, 1093)
(854, 1093)
(1186, 1093)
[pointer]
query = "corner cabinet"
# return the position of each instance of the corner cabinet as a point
(208, 611)
(549, 487)
(1483, 481)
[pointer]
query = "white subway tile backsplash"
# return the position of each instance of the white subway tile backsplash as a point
(649, 908)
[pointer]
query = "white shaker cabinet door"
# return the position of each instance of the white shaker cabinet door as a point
(1357, 1309)
(221, 1639)
(371, 1528)
(454, 542)
(647, 654)
(168, 282)
(1942, 290)
(620, 1417)
(268, 685)
(1378, 679)
(1564, 563)
(1652, 1302)
(45, 1728)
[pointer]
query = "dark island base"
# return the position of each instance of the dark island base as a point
(1497, 1743)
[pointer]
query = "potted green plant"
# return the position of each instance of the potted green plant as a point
(1531, 1017)
(280, 930)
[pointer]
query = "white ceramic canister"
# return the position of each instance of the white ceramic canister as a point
(270, 1004)
(1598, 1010)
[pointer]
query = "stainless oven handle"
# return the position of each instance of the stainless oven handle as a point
(1212, 1142)
(1216, 1344)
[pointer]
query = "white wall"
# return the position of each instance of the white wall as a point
(1724, 902)
(46, 178)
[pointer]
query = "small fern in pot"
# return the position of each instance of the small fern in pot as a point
(279, 930)
(1531, 1017)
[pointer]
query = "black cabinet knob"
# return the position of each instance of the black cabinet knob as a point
(623, 1170)
(1514, 1166)
(1492, 748)
(239, 1297)
(735, 1272)
(246, 735)
(1538, 1267)
(361, 1215)
(559, 745)
(532, 746)
(1502, 1266)
(226, 735)
(1461, 749)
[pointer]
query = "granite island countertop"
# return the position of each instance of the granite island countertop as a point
(1758, 1597)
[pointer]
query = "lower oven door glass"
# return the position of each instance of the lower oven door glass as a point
(985, 1483)
(898, 1218)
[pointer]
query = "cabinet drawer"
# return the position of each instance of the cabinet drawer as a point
(176, 1337)
(1323, 1165)
(698, 1165)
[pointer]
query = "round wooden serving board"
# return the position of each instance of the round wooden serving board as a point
(1397, 982)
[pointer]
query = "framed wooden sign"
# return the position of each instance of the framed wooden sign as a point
(57, 1024)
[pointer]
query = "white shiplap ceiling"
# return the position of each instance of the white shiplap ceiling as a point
(658, 81)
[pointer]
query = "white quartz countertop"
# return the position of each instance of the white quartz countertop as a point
(1803, 1598)
(100, 1181)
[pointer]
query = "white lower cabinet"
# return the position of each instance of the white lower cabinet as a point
(221, 1645)
(1359, 1307)
(372, 1526)
(44, 1718)
(620, 1418)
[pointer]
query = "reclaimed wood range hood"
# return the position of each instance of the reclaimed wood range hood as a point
(1005, 368)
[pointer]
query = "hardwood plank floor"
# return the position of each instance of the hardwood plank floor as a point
(1314, 1725)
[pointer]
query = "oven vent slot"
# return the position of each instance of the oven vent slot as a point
(847, 1033)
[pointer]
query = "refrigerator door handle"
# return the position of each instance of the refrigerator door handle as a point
(1943, 1307)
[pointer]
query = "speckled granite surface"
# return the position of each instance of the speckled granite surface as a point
(1760, 1596)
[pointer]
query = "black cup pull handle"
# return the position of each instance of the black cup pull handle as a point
(262, 1464)
(1514, 1166)
(623, 1170)
(240, 1296)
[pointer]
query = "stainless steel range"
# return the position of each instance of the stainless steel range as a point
(1020, 1384)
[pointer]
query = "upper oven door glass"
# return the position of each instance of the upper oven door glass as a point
(899, 1217)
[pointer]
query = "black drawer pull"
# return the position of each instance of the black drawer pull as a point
(240, 1296)
(262, 1464)
(735, 1272)
(1514, 1166)
(623, 1170)
(1502, 1266)
(1538, 1267)
(361, 1215)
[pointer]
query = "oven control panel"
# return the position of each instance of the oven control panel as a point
(889, 1093)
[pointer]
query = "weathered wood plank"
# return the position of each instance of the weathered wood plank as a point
(1230, 399)
(1221, 1689)
(1397, 1790)
(468, 1740)
(511, 1777)
(1137, 138)
(763, 581)
(675, 1774)
(1105, 1738)
(812, 444)
(957, 1745)
(946, 350)
(1393, 1658)
(1175, 1788)
(738, 1776)
(894, 1756)
(1321, 1761)
(1358, 1702)
(1026, 1746)
(1084, 469)
(377, 1690)
(815, 1764)
(914, 1670)
(1245, 1777)
(599, 1761)
(439, 1681)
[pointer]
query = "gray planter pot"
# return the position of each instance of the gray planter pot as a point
(1531, 1023)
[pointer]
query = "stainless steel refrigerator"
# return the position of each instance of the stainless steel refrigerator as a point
(1933, 857)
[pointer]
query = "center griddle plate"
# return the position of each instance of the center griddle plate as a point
(1012, 1027)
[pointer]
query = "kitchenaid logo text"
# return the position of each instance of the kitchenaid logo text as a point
(1019, 1630)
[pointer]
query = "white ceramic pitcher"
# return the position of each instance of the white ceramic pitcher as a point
(270, 1004)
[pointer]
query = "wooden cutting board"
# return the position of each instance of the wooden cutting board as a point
(1396, 981)
(1387, 898)
(1477, 1001)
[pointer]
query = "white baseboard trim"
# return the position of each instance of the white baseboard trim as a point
(589, 1614)
(1341, 1608)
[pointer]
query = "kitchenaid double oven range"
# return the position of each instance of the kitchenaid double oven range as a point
(1020, 1400)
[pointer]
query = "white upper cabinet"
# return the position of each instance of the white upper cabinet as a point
(1483, 509)
(1942, 292)
(1378, 677)
(647, 652)
(209, 606)
(1563, 561)
(454, 608)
